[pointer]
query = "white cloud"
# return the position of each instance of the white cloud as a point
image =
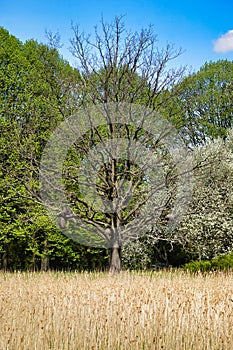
(224, 43)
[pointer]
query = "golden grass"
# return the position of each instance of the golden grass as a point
(160, 310)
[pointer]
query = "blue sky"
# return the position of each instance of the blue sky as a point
(204, 29)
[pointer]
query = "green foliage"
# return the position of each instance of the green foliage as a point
(220, 263)
(38, 89)
(35, 89)
(205, 103)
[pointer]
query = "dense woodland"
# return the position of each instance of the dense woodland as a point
(39, 89)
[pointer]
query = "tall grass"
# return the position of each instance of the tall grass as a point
(160, 310)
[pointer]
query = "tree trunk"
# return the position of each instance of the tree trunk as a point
(115, 260)
(44, 263)
(4, 261)
(4, 264)
(45, 257)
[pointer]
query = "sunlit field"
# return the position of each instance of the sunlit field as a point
(73, 311)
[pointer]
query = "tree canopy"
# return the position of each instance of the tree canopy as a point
(205, 107)
(127, 71)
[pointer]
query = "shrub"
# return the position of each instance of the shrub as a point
(220, 263)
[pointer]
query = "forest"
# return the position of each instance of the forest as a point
(40, 90)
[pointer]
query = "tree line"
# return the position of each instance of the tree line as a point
(40, 90)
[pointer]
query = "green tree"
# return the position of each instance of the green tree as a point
(204, 103)
(36, 86)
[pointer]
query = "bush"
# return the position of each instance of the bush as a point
(220, 263)
(137, 254)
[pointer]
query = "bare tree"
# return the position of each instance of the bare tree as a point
(118, 163)
(121, 66)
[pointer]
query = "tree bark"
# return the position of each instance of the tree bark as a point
(44, 263)
(115, 260)
(4, 261)
(45, 257)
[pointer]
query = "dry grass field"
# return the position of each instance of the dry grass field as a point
(79, 311)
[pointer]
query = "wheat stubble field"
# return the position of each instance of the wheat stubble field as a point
(78, 311)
